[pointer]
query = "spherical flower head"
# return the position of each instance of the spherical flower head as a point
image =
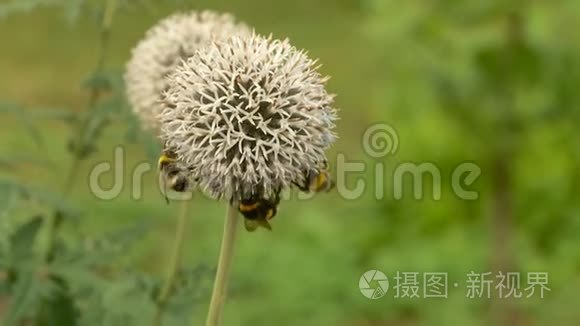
(173, 39)
(248, 115)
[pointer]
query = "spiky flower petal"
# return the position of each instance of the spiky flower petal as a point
(173, 39)
(247, 115)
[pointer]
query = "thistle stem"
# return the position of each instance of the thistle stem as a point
(50, 230)
(176, 255)
(223, 268)
(50, 220)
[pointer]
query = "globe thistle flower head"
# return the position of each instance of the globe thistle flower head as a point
(248, 115)
(167, 43)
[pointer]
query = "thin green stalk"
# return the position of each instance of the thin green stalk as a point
(176, 255)
(106, 24)
(72, 175)
(223, 269)
(50, 220)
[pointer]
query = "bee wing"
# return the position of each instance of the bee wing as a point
(265, 224)
(331, 185)
(164, 183)
(250, 225)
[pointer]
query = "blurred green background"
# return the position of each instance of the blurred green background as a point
(493, 83)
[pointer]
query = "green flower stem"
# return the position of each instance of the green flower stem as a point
(223, 269)
(176, 255)
(50, 220)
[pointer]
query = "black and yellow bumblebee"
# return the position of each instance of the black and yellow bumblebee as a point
(258, 210)
(317, 181)
(173, 175)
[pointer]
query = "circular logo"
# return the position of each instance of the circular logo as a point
(373, 284)
(380, 140)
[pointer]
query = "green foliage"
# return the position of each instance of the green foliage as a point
(489, 78)
(22, 241)
(460, 81)
(92, 122)
(54, 289)
(49, 199)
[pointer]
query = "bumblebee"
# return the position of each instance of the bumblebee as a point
(173, 175)
(258, 210)
(317, 181)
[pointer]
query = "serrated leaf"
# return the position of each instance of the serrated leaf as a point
(45, 197)
(115, 243)
(79, 277)
(130, 299)
(94, 123)
(101, 251)
(192, 286)
(23, 300)
(53, 200)
(22, 241)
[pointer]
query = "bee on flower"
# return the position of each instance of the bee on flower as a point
(250, 116)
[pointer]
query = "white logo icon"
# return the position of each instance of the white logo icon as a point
(373, 284)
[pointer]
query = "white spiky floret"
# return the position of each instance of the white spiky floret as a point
(247, 115)
(171, 40)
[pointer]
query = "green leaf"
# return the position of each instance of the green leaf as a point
(192, 286)
(98, 82)
(101, 112)
(23, 301)
(79, 277)
(58, 309)
(115, 243)
(130, 299)
(53, 200)
(45, 197)
(22, 241)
